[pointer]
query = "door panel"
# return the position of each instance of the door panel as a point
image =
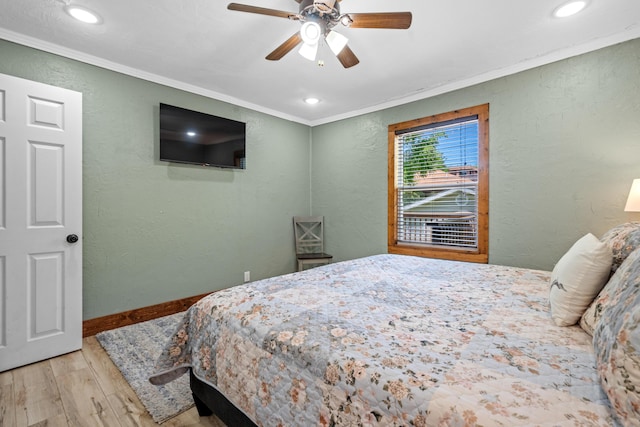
(3, 305)
(46, 185)
(46, 113)
(40, 204)
(46, 288)
(3, 191)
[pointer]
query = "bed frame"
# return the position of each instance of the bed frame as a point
(210, 401)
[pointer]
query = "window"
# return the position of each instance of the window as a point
(439, 186)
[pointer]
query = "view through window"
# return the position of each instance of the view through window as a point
(438, 185)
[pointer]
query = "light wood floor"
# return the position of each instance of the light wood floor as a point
(83, 388)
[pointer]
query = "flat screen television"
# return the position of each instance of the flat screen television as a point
(193, 137)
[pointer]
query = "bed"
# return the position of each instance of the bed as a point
(393, 340)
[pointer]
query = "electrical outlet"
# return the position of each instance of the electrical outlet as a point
(247, 276)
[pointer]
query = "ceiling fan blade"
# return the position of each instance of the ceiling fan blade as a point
(285, 47)
(392, 20)
(260, 10)
(347, 58)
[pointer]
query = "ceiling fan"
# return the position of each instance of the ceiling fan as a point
(318, 18)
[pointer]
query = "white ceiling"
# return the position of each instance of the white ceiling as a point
(200, 46)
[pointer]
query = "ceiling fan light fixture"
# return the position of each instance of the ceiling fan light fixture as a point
(317, 19)
(310, 32)
(336, 42)
(309, 51)
(82, 14)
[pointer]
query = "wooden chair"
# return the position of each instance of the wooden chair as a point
(309, 234)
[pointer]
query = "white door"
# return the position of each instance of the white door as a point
(40, 213)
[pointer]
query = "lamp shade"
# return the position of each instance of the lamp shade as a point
(310, 32)
(309, 51)
(633, 201)
(336, 42)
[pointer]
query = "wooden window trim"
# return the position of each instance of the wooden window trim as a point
(481, 254)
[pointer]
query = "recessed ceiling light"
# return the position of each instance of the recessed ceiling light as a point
(83, 14)
(570, 8)
(311, 101)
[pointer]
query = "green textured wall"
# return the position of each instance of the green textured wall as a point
(156, 232)
(564, 148)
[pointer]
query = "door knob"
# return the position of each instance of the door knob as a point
(72, 238)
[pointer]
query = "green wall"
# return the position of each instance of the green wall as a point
(155, 231)
(564, 148)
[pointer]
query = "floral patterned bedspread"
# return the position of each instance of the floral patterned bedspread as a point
(392, 340)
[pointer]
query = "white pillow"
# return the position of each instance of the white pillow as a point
(577, 278)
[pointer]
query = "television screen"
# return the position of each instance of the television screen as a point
(188, 136)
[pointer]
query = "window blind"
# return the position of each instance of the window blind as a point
(437, 184)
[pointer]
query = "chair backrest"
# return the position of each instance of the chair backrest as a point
(309, 234)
